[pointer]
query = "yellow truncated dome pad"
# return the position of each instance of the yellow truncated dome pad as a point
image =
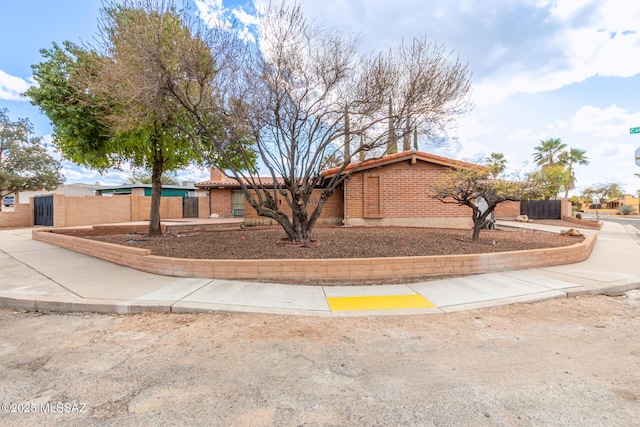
(390, 302)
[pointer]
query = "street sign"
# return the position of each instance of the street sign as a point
(638, 156)
(634, 130)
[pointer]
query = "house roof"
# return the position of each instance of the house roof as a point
(129, 186)
(403, 156)
(233, 183)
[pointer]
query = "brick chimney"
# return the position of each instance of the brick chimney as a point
(217, 175)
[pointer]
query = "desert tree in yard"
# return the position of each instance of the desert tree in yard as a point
(465, 187)
(24, 162)
(307, 98)
(107, 103)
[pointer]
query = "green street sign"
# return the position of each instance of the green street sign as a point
(635, 130)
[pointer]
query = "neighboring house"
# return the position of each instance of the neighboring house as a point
(145, 190)
(393, 190)
(625, 200)
(69, 190)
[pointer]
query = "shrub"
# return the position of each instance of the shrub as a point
(578, 216)
(625, 210)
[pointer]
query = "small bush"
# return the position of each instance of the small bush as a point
(578, 216)
(625, 210)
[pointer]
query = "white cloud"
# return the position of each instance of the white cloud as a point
(609, 122)
(605, 44)
(526, 135)
(11, 87)
(609, 150)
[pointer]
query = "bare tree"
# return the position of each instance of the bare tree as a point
(303, 95)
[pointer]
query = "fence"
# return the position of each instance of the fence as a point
(62, 211)
(545, 209)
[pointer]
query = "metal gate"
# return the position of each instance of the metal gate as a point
(43, 210)
(541, 209)
(190, 207)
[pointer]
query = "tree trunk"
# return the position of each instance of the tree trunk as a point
(479, 220)
(406, 141)
(566, 190)
(392, 143)
(156, 194)
(300, 231)
(347, 137)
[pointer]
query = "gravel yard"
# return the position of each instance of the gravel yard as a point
(339, 242)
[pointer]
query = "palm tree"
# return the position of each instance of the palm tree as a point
(496, 164)
(575, 156)
(548, 152)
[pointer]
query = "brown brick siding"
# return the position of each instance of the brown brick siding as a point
(507, 210)
(331, 211)
(220, 201)
(322, 270)
(405, 193)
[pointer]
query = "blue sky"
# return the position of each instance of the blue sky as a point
(542, 69)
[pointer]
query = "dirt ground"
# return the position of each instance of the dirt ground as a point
(563, 362)
(339, 242)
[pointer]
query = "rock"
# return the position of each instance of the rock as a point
(572, 232)
(214, 216)
(523, 218)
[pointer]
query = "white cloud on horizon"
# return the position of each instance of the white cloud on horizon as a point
(609, 122)
(11, 87)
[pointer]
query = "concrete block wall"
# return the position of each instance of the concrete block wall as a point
(322, 270)
(21, 216)
(75, 211)
(170, 207)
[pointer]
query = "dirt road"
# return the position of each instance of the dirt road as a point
(560, 362)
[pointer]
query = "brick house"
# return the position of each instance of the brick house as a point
(227, 201)
(393, 190)
(397, 190)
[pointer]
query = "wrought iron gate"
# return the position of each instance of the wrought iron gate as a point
(541, 209)
(43, 210)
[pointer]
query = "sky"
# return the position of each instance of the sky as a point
(541, 69)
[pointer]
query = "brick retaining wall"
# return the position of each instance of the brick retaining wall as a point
(322, 270)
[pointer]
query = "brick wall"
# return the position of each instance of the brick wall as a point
(21, 216)
(74, 211)
(220, 202)
(507, 210)
(322, 270)
(170, 207)
(331, 211)
(204, 207)
(404, 196)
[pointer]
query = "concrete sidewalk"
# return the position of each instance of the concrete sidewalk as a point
(39, 276)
